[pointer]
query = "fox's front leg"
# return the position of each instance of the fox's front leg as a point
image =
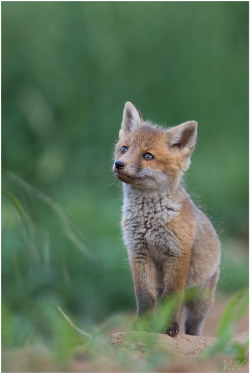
(143, 273)
(174, 274)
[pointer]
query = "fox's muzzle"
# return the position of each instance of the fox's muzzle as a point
(119, 165)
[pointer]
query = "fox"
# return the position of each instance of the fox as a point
(172, 246)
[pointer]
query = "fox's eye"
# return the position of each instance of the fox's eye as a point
(124, 149)
(147, 156)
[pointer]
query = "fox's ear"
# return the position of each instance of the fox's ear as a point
(131, 118)
(183, 137)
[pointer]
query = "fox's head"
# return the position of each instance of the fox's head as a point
(147, 156)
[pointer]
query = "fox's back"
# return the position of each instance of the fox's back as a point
(206, 250)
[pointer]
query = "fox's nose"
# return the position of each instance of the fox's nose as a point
(119, 165)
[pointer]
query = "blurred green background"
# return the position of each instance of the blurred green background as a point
(67, 70)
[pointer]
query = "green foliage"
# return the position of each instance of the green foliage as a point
(42, 251)
(234, 311)
(68, 68)
(66, 224)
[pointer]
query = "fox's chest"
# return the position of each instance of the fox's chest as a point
(145, 224)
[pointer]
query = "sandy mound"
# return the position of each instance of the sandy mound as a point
(182, 344)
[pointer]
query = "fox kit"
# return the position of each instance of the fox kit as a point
(171, 244)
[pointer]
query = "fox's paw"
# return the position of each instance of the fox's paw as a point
(173, 329)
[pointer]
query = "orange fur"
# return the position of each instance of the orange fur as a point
(172, 245)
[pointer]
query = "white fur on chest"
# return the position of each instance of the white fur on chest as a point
(146, 216)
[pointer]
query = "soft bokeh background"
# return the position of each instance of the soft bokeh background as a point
(67, 70)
